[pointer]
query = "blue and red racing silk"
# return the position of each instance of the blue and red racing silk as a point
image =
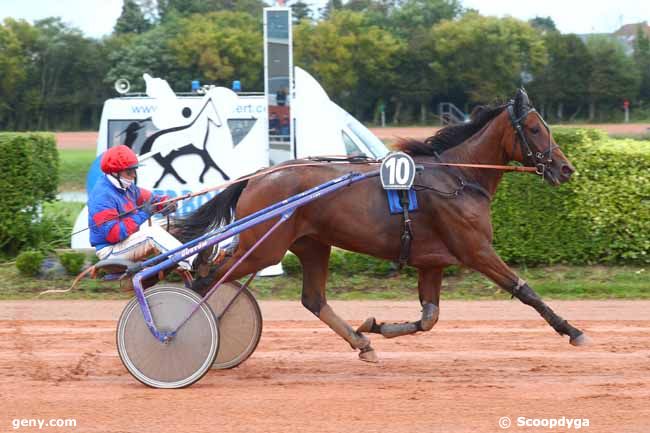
(106, 202)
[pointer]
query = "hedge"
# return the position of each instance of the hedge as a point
(29, 165)
(601, 216)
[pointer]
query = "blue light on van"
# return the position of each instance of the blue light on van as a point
(196, 85)
(236, 86)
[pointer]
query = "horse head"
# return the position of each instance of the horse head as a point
(533, 144)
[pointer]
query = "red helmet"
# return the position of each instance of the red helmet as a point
(118, 158)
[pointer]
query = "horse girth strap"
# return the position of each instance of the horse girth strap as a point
(407, 232)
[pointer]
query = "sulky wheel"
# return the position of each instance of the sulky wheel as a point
(183, 360)
(240, 327)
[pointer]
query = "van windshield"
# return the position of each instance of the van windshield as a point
(373, 144)
(132, 133)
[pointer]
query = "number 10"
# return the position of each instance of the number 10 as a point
(398, 170)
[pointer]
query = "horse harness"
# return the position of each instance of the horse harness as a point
(539, 160)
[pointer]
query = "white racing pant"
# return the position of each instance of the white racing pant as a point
(149, 239)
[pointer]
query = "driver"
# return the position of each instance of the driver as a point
(118, 236)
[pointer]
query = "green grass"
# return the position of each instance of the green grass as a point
(355, 277)
(74, 165)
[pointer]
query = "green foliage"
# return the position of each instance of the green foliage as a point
(642, 59)
(55, 225)
(132, 55)
(408, 55)
(562, 81)
(72, 262)
(29, 262)
(347, 263)
(61, 85)
(132, 19)
(12, 68)
(216, 47)
(485, 56)
(354, 60)
(30, 177)
(544, 24)
(300, 11)
(614, 76)
(220, 47)
(601, 216)
(166, 8)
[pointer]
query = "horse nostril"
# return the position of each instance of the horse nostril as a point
(566, 170)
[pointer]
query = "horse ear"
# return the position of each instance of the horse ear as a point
(524, 97)
(521, 101)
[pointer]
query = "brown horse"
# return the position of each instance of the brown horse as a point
(451, 227)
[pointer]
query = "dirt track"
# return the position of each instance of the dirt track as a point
(87, 140)
(482, 361)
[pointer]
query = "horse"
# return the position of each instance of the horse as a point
(452, 226)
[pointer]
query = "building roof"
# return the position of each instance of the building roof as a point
(630, 30)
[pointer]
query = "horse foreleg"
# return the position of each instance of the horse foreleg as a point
(314, 257)
(429, 283)
(490, 264)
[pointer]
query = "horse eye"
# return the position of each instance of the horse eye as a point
(534, 130)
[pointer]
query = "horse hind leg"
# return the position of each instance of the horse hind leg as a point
(429, 283)
(314, 257)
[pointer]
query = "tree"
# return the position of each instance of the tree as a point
(354, 61)
(12, 70)
(300, 11)
(642, 59)
(131, 55)
(414, 15)
(132, 19)
(189, 7)
(564, 81)
(483, 57)
(543, 24)
(61, 77)
(220, 47)
(330, 7)
(411, 21)
(614, 76)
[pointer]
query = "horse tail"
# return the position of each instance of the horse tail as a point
(219, 211)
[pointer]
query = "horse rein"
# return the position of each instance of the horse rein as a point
(538, 168)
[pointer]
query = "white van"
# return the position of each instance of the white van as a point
(189, 142)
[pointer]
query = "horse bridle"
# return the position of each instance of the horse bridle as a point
(539, 160)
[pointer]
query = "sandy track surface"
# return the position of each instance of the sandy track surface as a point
(88, 140)
(76, 140)
(482, 361)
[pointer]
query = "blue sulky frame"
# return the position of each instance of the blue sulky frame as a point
(283, 209)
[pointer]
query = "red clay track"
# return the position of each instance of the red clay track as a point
(88, 140)
(482, 361)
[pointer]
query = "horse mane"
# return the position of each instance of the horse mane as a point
(450, 136)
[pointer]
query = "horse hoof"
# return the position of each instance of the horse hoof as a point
(367, 325)
(580, 340)
(368, 355)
